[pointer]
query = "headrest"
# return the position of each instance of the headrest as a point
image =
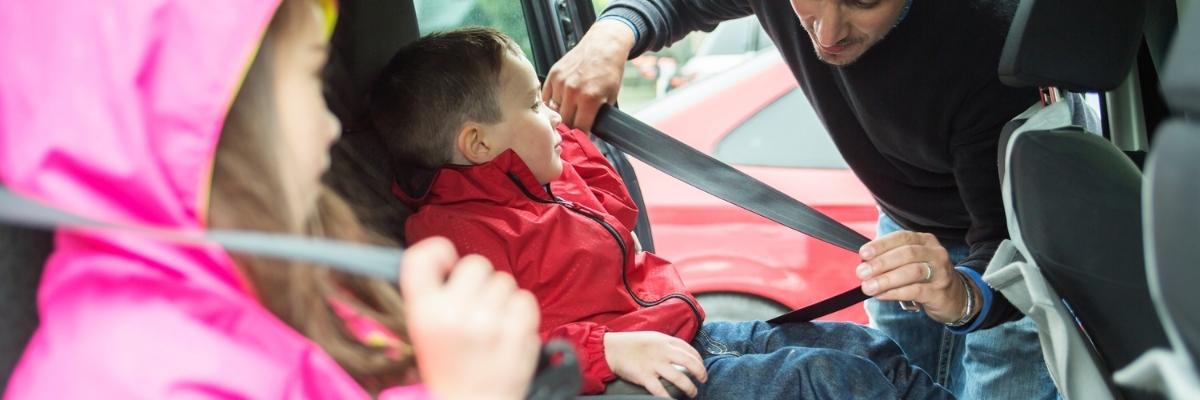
(367, 36)
(1181, 77)
(1077, 45)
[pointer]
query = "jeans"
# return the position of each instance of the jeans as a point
(1004, 362)
(822, 360)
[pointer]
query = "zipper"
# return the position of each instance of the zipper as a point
(620, 244)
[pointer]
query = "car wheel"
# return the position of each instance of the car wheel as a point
(738, 307)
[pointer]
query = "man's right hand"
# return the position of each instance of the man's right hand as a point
(590, 74)
(643, 357)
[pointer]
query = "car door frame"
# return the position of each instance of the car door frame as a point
(554, 27)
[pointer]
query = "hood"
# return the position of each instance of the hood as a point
(113, 109)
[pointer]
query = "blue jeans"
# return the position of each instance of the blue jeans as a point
(754, 360)
(1004, 362)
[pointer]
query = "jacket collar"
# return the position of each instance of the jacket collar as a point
(504, 180)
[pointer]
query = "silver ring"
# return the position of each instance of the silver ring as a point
(928, 271)
(910, 306)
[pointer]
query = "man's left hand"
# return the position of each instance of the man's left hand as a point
(895, 267)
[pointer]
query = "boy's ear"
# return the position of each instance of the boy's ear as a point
(471, 144)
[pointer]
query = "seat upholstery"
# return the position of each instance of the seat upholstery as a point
(23, 253)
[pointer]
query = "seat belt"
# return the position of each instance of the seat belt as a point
(557, 375)
(736, 187)
(372, 261)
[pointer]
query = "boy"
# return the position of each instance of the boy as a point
(485, 164)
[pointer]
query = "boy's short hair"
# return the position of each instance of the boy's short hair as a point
(433, 86)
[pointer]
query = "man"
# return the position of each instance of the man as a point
(909, 93)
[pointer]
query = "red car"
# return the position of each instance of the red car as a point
(740, 265)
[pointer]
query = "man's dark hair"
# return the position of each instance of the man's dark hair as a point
(433, 86)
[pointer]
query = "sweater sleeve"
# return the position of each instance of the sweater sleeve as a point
(973, 148)
(659, 23)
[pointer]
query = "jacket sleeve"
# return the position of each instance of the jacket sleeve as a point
(471, 237)
(100, 341)
(588, 340)
(602, 179)
(660, 23)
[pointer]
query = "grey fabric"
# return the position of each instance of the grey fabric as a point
(23, 253)
(1078, 45)
(1171, 194)
(1073, 204)
(1068, 354)
(1078, 200)
(377, 262)
(1181, 76)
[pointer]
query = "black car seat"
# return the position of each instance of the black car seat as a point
(1074, 261)
(23, 253)
(368, 33)
(1171, 195)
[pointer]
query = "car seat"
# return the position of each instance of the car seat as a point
(23, 254)
(1072, 199)
(368, 34)
(1171, 195)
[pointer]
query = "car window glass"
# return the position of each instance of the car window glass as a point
(503, 15)
(786, 133)
(697, 56)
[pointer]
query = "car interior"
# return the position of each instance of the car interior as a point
(1111, 202)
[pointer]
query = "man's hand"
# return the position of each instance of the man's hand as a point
(895, 267)
(643, 357)
(589, 75)
(475, 334)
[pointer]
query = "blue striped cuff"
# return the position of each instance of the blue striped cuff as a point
(985, 291)
(636, 35)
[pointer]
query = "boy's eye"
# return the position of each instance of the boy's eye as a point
(537, 105)
(864, 4)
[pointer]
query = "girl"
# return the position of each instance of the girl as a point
(145, 86)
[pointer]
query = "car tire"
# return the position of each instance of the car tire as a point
(738, 307)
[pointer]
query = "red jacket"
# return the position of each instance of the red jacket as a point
(572, 246)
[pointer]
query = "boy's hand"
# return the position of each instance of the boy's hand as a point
(643, 357)
(475, 333)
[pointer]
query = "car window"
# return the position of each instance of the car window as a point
(731, 38)
(503, 15)
(786, 133)
(697, 56)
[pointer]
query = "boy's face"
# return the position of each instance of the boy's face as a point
(528, 126)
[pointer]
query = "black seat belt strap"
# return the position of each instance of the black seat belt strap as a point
(728, 183)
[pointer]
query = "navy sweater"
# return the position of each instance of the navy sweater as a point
(917, 117)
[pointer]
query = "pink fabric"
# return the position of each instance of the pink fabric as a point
(112, 109)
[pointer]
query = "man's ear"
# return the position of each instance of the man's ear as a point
(472, 145)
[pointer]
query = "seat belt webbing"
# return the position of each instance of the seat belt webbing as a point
(727, 183)
(373, 261)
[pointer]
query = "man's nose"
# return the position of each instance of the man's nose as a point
(830, 24)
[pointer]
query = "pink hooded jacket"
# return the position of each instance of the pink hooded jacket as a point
(112, 109)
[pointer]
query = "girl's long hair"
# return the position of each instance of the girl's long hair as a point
(246, 195)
